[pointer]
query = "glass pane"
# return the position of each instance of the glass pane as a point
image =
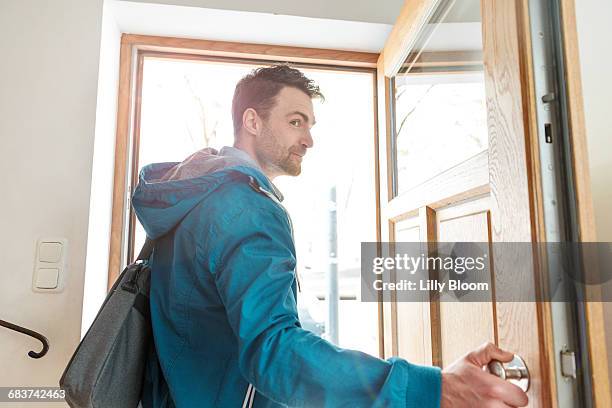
(337, 166)
(186, 105)
(440, 106)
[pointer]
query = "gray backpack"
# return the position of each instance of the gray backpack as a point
(107, 368)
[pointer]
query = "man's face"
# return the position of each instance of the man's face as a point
(285, 135)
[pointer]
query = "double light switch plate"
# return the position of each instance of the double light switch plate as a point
(50, 264)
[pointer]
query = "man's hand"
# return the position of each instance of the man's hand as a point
(466, 385)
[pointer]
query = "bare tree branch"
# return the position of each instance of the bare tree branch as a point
(414, 108)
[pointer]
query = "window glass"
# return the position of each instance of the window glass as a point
(440, 106)
(186, 106)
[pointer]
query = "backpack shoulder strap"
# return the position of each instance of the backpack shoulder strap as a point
(147, 250)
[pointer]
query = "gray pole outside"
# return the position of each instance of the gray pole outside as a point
(332, 276)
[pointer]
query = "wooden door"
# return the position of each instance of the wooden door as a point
(453, 206)
(485, 194)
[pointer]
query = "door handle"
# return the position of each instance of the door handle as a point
(515, 371)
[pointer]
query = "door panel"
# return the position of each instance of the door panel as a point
(473, 320)
(488, 197)
(511, 119)
(413, 317)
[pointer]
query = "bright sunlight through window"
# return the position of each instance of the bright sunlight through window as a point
(186, 106)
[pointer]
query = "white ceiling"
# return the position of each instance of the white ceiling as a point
(369, 11)
(353, 25)
(250, 27)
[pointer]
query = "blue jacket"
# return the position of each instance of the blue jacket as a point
(223, 304)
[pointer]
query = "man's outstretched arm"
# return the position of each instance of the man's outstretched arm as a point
(253, 261)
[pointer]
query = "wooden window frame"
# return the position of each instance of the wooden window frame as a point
(134, 48)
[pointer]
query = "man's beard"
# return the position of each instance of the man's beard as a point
(274, 156)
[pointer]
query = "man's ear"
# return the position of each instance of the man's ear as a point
(251, 121)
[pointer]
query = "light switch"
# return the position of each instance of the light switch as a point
(50, 252)
(46, 278)
(50, 264)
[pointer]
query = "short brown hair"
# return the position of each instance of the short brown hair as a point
(258, 90)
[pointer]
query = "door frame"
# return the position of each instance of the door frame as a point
(512, 129)
(598, 353)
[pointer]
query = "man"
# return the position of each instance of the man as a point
(223, 288)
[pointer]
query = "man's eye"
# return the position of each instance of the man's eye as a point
(295, 122)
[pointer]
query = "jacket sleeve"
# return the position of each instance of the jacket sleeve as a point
(253, 262)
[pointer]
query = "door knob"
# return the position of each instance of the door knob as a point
(515, 371)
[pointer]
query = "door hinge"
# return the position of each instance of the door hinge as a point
(568, 363)
(128, 203)
(549, 97)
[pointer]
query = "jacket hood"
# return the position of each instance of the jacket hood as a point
(167, 192)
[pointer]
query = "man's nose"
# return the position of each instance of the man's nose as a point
(307, 142)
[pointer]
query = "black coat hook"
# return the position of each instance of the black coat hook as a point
(31, 333)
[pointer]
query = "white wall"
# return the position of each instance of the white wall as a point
(594, 32)
(100, 207)
(48, 84)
